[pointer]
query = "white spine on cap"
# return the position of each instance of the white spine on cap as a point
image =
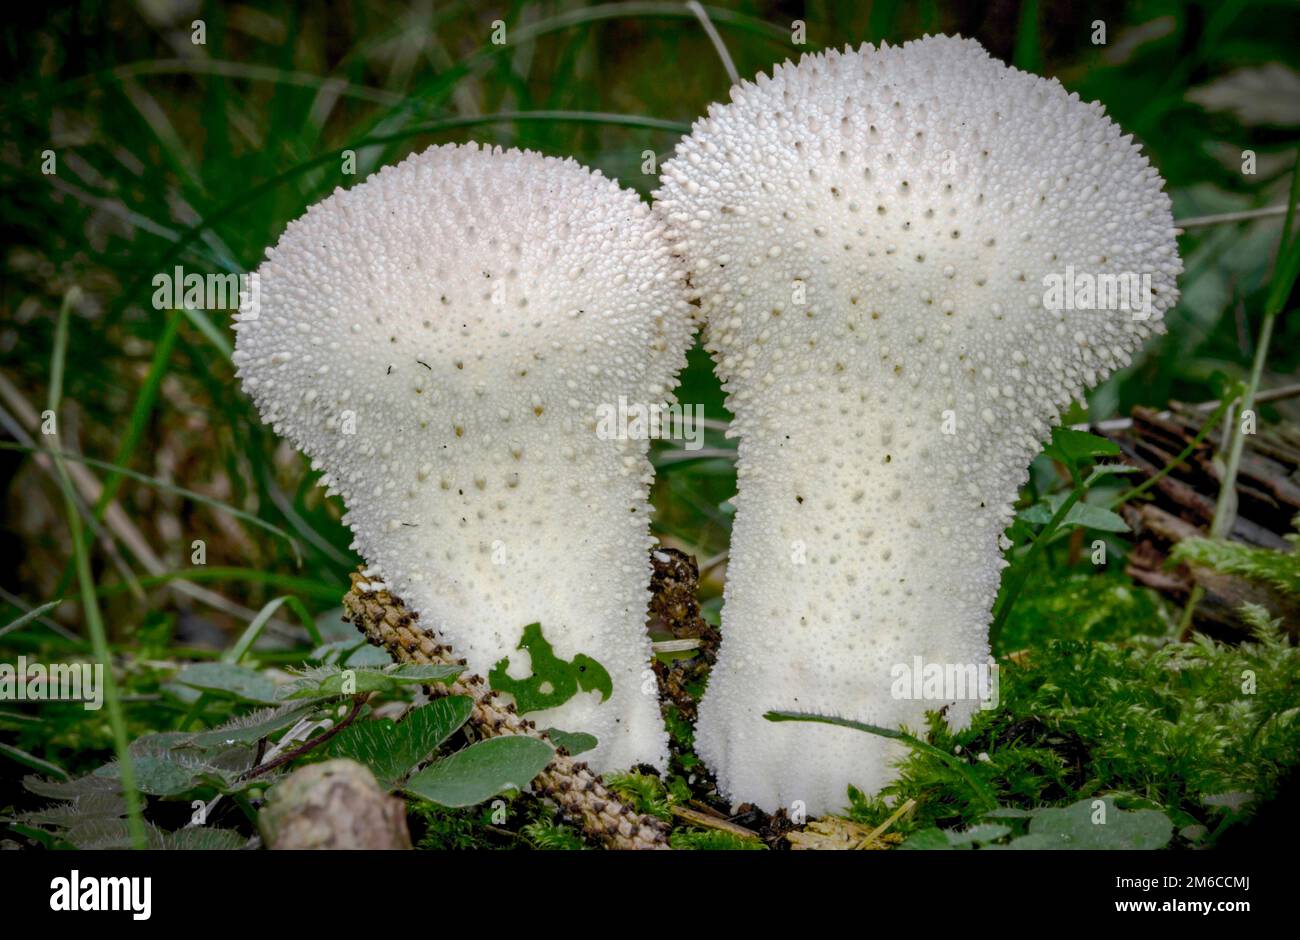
(872, 236)
(439, 340)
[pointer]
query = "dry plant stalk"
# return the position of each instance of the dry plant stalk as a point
(571, 784)
(675, 609)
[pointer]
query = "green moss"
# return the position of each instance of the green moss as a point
(1081, 605)
(1175, 725)
(712, 840)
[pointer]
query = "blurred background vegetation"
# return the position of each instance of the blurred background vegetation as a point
(170, 152)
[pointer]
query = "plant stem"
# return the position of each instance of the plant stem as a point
(89, 602)
(1178, 461)
(310, 744)
(1017, 581)
(1223, 217)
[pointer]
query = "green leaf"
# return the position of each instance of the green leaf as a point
(1040, 513)
(391, 749)
(978, 835)
(422, 674)
(1080, 514)
(553, 681)
(332, 682)
(156, 776)
(1073, 827)
(252, 727)
(1073, 448)
(228, 679)
(1095, 517)
(78, 788)
(481, 771)
(203, 838)
(974, 837)
(105, 833)
(170, 763)
(575, 742)
(927, 839)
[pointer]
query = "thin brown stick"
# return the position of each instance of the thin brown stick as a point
(580, 794)
(310, 744)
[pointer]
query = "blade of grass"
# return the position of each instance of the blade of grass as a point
(712, 32)
(85, 578)
(165, 486)
(210, 332)
(1028, 54)
(140, 413)
(141, 410)
(19, 622)
(894, 734)
(31, 760)
(254, 629)
(314, 589)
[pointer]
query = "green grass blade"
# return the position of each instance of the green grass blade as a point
(90, 603)
(141, 410)
(20, 622)
(166, 487)
(894, 734)
(32, 761)
(254, 629)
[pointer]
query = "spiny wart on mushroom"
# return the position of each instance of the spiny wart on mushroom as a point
(869, 233)
(438, 340)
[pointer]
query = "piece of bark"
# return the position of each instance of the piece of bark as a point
(336, 804)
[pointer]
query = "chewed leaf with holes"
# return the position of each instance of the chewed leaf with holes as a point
(553, 681)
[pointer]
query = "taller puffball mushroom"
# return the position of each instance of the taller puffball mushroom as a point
(440, 340)
(874, 237)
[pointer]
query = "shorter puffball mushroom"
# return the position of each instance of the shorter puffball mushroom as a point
(439, 340)
(875, 238)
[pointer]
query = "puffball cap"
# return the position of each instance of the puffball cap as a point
(930, 185)
(468, 263)
(463, 282)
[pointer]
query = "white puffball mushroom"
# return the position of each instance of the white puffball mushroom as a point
(872, 235)
(438, 339)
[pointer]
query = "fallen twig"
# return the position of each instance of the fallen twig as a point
(581, 795)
